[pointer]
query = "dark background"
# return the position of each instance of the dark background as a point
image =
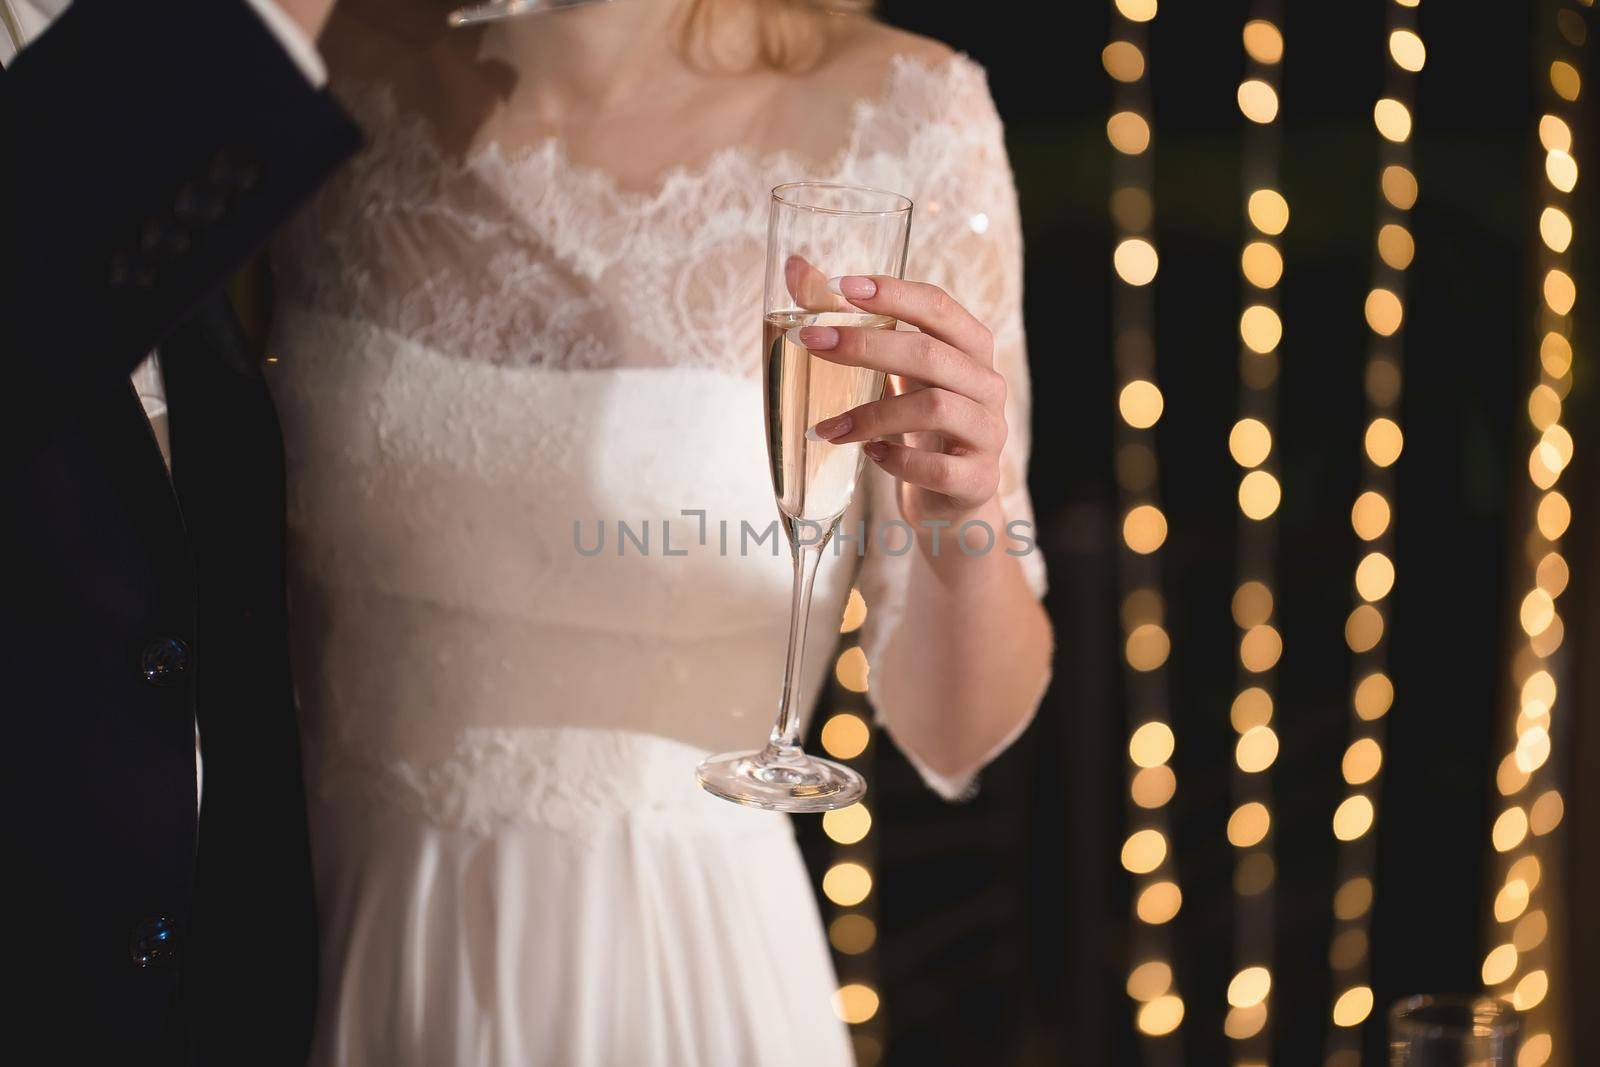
(1003, 919)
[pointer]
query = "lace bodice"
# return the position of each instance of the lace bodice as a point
(474, 356)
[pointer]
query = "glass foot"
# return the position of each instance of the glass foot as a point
(780, 780)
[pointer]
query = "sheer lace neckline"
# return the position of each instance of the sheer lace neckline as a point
(907, 77)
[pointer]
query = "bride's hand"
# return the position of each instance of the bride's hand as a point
(942, 431)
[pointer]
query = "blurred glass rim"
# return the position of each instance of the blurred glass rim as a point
(1452, 1016)
(794, 195)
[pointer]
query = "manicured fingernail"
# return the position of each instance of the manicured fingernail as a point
(828, 429)
(854, 287)
(876, 449)
(816, 338)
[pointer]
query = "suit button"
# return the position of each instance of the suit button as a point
(199, 204)
(154, 943)
(164, 660)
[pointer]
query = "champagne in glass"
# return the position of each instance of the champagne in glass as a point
(816, 231)
(1453, 1031)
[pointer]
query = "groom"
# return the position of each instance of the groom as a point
(147, 147)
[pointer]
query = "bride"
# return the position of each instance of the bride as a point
(531, 306)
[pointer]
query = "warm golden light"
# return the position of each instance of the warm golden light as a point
(1142, 606)
(1268, 211)
(1260, 648)
(1509, 829)
(1525, 870)
(1554, 515)
(1374, 576)
(1259, 494)
(1370, 515)
(852, 934)
(1395, 246)
(1144, 851)
(1564, 80)
(1399, 186)
(1540, 686)
(1136, 261)
(855, 1003)
(1348, 949)
(1256, 750)
(1353, 1006)
(1153, 787)
(1554, 134)
(1262, 264)
(1263, 42)
(1254, 874)
(1511, 901)
(1363, 629)
(1537, 613)
(1561, 170)
(1362, 761)
(1249, 442)
(1533, 748)
(1258, 101)
(1251, 708)
(1407, 51)
(1499, 964)
(1128, 132)
(1508, 777)
(1530, 931)
(1260, 328)
(1141, 404)
(1544, 407)
(1244, 1023)
(1137, 10)
(1252, 605)
(1384, 441)
(1559, 291)
(1144, 528)
(1353, 899)
(845, 736)
(1546, 812)
(847, 825)
(1149, 980)
(1382, 381)
(1123, 61)
(1374, 696)
(1161, 1016)
(1384, 312)
(1248, 824)
(1555, 446)
(1392, 119)
(846, 884)
(1151, 744)
(855, 613)
(1535, 1051)
(1530, 991)
(1352, 818)
(1555, 228)
(1132, 208)
(1552, 574)
(1159, 903)
(1148, 647)
(852, 670)
(1249, 987)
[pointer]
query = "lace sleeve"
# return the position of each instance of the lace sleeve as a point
(966, 237)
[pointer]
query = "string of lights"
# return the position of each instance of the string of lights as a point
(847, 735)
(1259, 644)
(1522, 962)
(1146, 852)
(1372, 516)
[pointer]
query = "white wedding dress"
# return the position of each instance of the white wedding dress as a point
(515, 864)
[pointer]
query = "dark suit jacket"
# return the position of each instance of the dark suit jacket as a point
(146, 149)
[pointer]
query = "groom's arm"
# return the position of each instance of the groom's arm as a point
(146, 149)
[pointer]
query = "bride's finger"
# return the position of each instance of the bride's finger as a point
(808, 286)
(927, 307)
(965, 479)
(921, 356)
(951, 415)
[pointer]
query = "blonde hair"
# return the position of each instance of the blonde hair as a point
(790, 35)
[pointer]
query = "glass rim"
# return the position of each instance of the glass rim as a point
(1477, 1009)
(903, 204)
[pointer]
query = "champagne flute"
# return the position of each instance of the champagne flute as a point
(816, 231)
(496, 10)
(1446, 1031)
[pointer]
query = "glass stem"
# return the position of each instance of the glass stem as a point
(785, 740)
